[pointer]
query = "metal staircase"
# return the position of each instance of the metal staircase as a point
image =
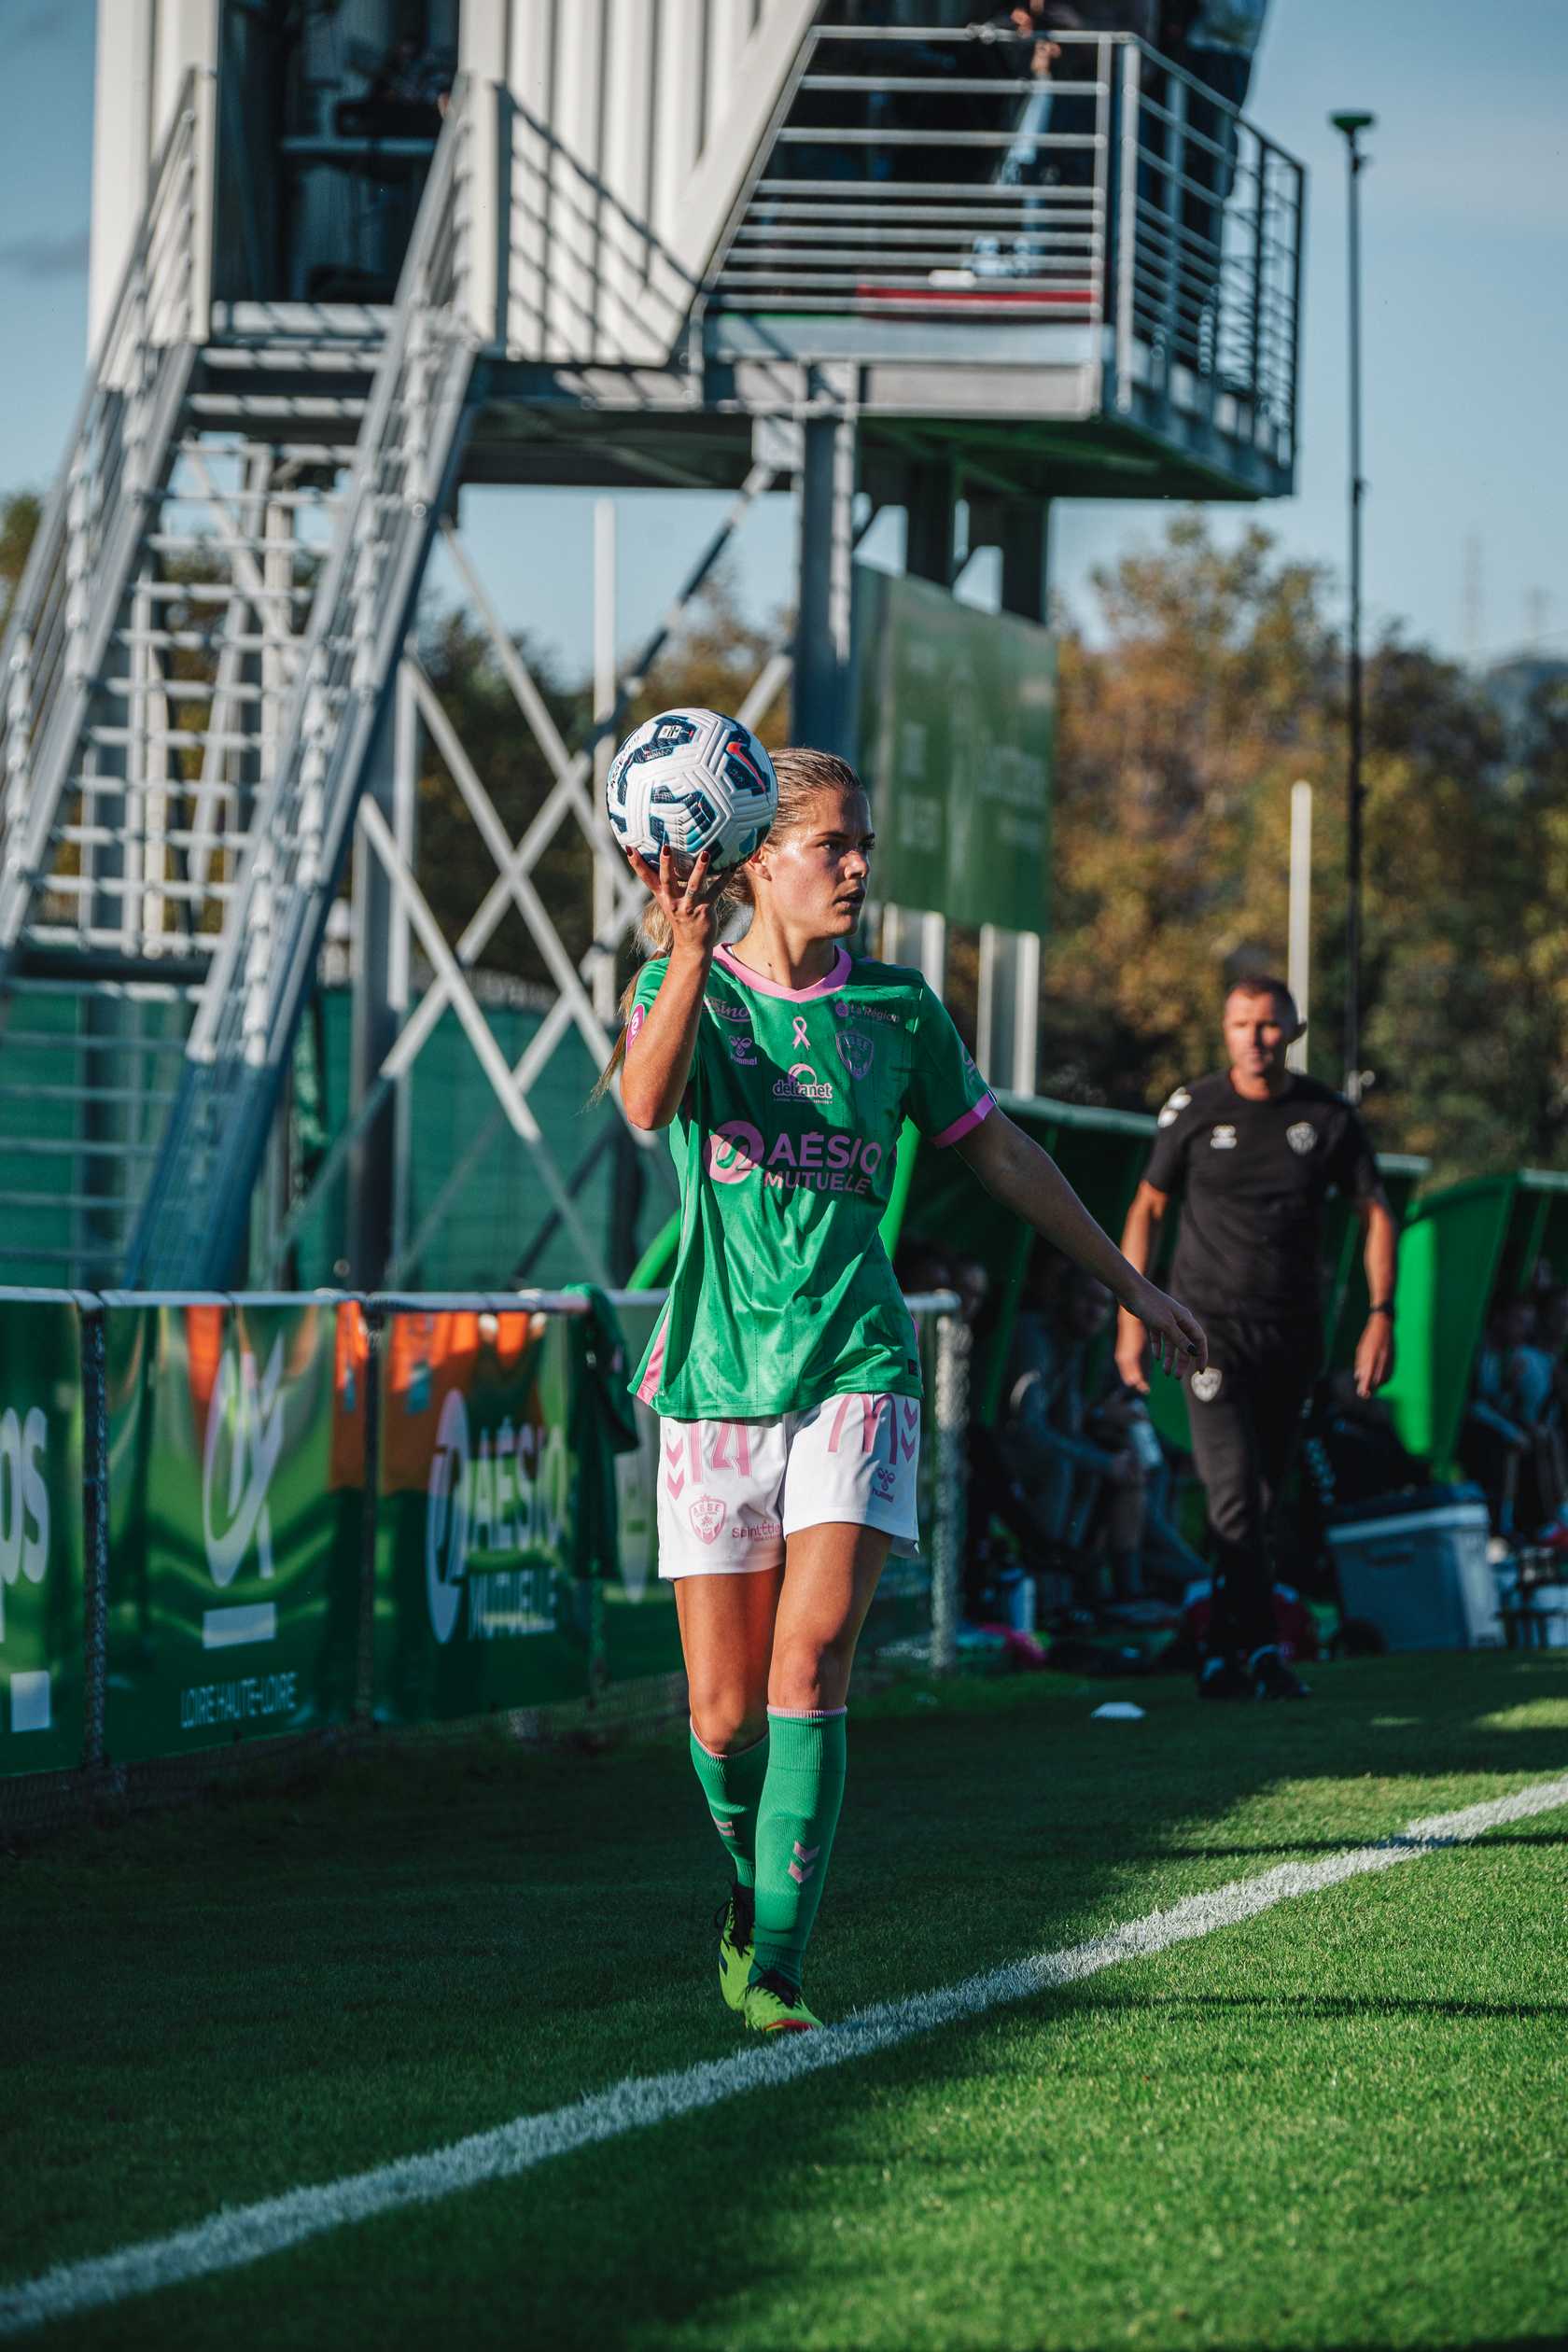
(196, 661)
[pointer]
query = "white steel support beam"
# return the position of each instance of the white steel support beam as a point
(1008, 1025)
(608, 868)
(619, 899)
(479, 1034)
(378, 1186)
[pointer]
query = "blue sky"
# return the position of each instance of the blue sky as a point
(1466, 265)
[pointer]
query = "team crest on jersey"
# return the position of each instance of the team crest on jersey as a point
(856, 1051)
(1221, 1139)
(1175, 1106)
(707, 1516)
(1205, 1385)
(1302, 1136)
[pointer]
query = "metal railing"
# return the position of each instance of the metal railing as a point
(931, 173)
(402, 469)
(82, 556)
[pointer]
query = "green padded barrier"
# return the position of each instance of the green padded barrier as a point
(656, 1265)
(1537, 1228)
(1448, 1257)
(1349, 1298)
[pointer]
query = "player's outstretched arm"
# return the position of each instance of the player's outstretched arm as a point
(1028, 1181)
(659, 1047)
(1139, 1237)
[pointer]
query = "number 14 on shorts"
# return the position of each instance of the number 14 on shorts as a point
(732, 1492)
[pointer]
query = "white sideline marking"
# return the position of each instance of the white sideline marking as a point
(244, 2233)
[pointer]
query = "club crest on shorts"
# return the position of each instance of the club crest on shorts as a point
(1221, 1139)
(707, 1516)
(1302, 1136)
(1205, 1386)
(856, 1051)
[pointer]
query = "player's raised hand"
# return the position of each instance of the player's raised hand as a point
(687, 899)
(1176, 1338)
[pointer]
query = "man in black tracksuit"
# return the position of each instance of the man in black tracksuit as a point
(1251, 1154)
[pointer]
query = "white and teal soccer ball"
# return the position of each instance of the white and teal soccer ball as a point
(691, 780)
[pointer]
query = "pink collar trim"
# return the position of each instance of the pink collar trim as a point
(750, 979)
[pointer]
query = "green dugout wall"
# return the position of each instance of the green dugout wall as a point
(1461, 1246)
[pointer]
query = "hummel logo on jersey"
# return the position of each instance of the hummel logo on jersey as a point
(804, 1863)
(1221, 1139)
(743, 1050)
(1302, 1136)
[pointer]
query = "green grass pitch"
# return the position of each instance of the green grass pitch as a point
(1342, 2123)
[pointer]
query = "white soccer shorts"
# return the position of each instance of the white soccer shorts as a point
(730, 1491)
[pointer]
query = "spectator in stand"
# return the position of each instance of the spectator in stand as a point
(407, 98)
(1086, 1450)
(921, 1266)
(1513, 1441)
(1494, 1436)
(1047, 1424)
(973, 1283)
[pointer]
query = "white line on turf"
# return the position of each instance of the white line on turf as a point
(244, 2233)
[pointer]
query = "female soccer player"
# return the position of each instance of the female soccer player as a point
(784, 1367)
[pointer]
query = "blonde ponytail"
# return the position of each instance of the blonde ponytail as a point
(801, 774)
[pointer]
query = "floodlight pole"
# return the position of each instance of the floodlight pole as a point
(1351, 126)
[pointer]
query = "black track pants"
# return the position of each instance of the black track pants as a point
(1244, 1427)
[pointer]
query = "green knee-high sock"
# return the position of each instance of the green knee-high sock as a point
(795, 1824)
(733, 1785)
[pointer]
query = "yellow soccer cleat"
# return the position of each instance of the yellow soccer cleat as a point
(734, 1946)
(774, 2006)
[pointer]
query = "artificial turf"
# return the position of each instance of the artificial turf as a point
(1341, 2123)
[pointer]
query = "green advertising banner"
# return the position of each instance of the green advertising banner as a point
(236, 1492)
(957, 731)
(641, 1635)
(475, 1604)
(42, 1547)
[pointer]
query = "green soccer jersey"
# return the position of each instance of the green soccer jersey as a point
(785, 1144)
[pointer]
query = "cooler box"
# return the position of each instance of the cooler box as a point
(1415, 1566)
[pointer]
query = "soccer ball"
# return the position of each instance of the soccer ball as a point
(691, 780)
